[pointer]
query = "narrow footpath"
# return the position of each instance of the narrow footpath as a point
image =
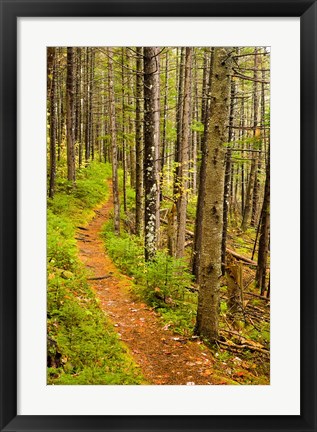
(164, 357)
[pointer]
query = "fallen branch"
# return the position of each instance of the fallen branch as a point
(99, 277)
(82, 228)
(256, 295)
(230, 251)
(241, 257)
(245, 346)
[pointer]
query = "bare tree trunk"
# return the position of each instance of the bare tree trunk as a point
(71, 174)
(130, 123)
(210, 259)
(165, 114)
(151, 145)
(256, 187)
(91, 112)
(227, 179)
(53, 126)
(87, 92)
(124, 144)
(183, 158)
(138, 144)
(113, 132)
(264, 234)
(179, 121)
(202, 176)
(253, 171)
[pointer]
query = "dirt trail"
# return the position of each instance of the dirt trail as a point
(164, 357)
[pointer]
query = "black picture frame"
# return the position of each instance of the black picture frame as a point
(10, 11)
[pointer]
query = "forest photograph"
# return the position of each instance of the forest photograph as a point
(158, 215)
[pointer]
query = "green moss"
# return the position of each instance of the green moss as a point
(83, 346)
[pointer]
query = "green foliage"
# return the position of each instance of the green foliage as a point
(197, 126)
(162, 283)
(83, 347)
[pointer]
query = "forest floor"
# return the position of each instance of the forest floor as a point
(163, 356)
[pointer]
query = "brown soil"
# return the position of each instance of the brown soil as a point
(164, 357)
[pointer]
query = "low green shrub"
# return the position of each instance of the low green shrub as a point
(163, 282)
(83, 347)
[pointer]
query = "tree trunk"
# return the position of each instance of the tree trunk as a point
(91, 112)
(138, 144)
(183, 158)
(264, 233)
(87, 92)
(179, 121)
(113, 132)
(151, 145)
(71, 175)
(163, 152)
(124, 143)
(53, 126)
(256, 187)
(212, 217)
(227, 179)
(202, 176)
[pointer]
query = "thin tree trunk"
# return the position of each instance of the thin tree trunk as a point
(227, 179)
(151, 143)
(250, 204)
(202, 176)
(264, 234)
(179, 121)
(138, 144)
(71, 175)
(183, 158)
(130, 123)
(87, 92)
(256, 187)
(114, 150)
(124, 144)
(52, 55)
(165, 114)
(91, 113)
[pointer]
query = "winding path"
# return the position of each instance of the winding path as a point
(164, 357)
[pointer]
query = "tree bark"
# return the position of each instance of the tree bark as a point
(228, 175)
(151, 145)
(248, 210)
(212, 218)
(71, 174)
(53, 125)
(163, 152)
(202, 176)
(264, 234)
(114, 150)
(256, 187)
(139, 144)
(183, 158)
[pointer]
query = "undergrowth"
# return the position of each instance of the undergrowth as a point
(163, 282)
(83, 347)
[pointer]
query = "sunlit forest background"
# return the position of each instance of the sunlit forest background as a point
(158, 215)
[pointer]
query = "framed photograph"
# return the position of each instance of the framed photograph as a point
(158, 215)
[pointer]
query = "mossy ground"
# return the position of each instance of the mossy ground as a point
(83, 346)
